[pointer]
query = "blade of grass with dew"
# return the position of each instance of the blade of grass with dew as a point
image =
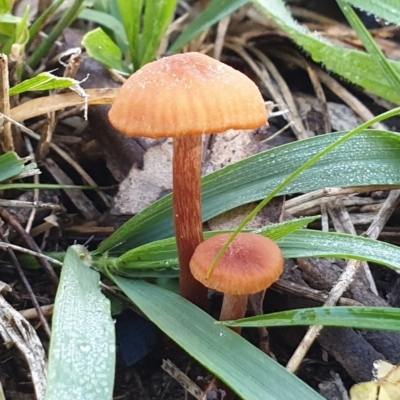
(82, 345)
(157, 16)
(214, 12)
(369, 158)
(100, 46)
(280, 186)
(42, 81)
(356, 66)
(310, 243)
(160, 259)
(376, 318)
(107, 21)
(393, 77)
(389, 10)
(211, 345)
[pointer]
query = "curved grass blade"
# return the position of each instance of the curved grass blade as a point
(386, 9)
(248, 371)
(160, 259)
(378, 318)
(309, 243)
(373, 49)
(82, 346)
(372, 157)
(356, 66)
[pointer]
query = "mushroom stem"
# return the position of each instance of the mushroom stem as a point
(187, 213)
(233, 307)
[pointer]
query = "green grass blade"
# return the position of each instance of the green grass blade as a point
(160, 258)
(131, 17)
(82, 346)
(386, 9)
(43, 49)
(157, 17)
(376, 53)
(107, 21)
(369, 158)
(214, 12)
(43, 81)
(310, 243)
(248, 371)
(356, 66)
(39, 22)
(11, 165)
(378, 318)
(100, 46)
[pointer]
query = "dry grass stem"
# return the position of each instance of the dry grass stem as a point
(170, 368)
(6, 139)
(297, 123)
(292, 288)
(20, 249)
(67, 158)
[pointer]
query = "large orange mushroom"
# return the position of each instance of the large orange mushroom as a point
(250, 264)
(184, 96)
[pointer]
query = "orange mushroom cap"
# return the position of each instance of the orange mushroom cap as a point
(188, 93)
(251, 263)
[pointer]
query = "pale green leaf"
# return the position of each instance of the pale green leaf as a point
(43, 81)
(82, 345)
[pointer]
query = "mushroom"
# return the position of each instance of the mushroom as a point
(250, 264)
(184, 96)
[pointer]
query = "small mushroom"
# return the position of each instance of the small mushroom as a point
(184, 96)
(250, 264)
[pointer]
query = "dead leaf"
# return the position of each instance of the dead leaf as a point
(143, 187)
(43, 105)
(386, 385)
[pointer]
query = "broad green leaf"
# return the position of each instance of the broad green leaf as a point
(356, 66)
(82, 345)
(107, 21)
(380, 318)
(99, 46)
(214, 12)
(160, 259)
(43, 81)
(248, 371)
(371, 157)
(386, 9)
